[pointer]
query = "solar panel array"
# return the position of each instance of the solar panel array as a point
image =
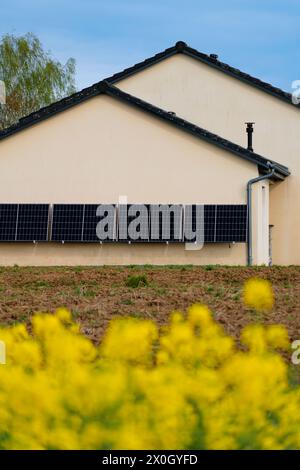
(24, 222)
(32, 222)
(231, 223)
(130, 223)
(224, 223)
(90, 221)
(67, 222)
(8, 222)
(134, 223)
(209, 223)
(97, 216)
(78, 223)
(166, 223)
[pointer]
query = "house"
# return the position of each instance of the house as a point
(169, 131)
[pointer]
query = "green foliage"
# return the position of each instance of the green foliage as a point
(33, 79)
(137, 281)
(127, 302)
(209, 267)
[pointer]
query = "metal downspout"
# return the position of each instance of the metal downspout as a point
(249, 205)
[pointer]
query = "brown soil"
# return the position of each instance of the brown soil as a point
(97, 294)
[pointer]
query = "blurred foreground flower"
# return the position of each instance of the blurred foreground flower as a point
(185, 386)
(258, 294)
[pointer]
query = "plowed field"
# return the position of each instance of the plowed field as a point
(97, 294)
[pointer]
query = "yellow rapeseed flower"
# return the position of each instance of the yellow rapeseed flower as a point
(277, 337)
(258, 294)
(186, 386)
(199, 315)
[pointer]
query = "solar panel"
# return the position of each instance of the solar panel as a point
(106, 231)
(8, 222)
(209, 223)
(166, 223)
(231, 223)
(32, 222)
(67, 223)
(122, 223)
(194, 223)
(138, 223)
(133, 223)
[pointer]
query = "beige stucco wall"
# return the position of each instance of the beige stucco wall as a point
(223, 104)
(74, 254)
(103, 149)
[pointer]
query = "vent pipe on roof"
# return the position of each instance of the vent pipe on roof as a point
(249, 131)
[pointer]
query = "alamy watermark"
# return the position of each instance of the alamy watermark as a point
(296, 92)
(151, 222)
(2, 353)
(296, 354)
(2, 93)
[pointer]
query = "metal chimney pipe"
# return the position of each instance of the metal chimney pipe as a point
(249, 131)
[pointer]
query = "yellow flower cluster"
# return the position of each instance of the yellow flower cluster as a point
(186, 386)
(258, 294)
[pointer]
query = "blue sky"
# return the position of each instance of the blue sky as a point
(259, 37)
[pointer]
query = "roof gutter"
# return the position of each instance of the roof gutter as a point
(250, 183)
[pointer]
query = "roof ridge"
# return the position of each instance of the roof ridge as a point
(144, 63)
(179, 47)
(182, 47)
